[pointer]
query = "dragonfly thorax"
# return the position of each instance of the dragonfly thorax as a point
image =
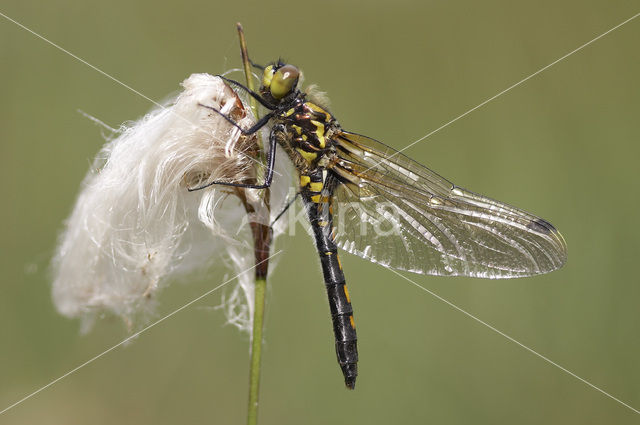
(309, 131)
(306, 128)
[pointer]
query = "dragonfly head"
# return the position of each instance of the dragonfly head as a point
(279, 80)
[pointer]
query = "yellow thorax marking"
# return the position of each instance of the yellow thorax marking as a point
(297, 128)
(308, 156)
(304, 181)
(289, 112)
(319, 132)
(316, 108)
(316, 186)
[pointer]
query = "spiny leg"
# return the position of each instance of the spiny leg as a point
(250, 92)
(271, 159)
(286, 207)
(254, 128)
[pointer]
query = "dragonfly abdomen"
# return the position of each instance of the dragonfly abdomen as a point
(320, 216)
(344, 328)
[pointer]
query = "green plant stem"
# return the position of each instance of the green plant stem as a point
(262, 238)
(247, 68)
(256, 350)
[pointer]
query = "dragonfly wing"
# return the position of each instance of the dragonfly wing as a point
(393, 211)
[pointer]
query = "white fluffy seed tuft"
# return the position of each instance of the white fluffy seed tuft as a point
(135, 225)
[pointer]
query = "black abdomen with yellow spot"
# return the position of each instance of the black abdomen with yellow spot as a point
(437, 232)
(305, 131)
(317, 194)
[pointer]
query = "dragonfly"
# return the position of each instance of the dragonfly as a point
(369, 199)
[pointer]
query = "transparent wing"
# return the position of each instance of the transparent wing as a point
(393, 211)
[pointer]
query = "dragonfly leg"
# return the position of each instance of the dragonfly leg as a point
(271, 159)
(254, 128)
(250, 92)
(286, 207)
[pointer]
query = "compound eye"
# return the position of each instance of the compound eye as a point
(267, 76)
(284, 81)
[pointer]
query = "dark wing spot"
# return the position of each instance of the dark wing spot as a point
(542, 226)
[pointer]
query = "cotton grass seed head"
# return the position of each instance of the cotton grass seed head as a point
(135, 225)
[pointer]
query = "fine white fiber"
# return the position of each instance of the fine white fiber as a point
(135, 226)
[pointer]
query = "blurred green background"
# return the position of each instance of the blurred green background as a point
(564, 146)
